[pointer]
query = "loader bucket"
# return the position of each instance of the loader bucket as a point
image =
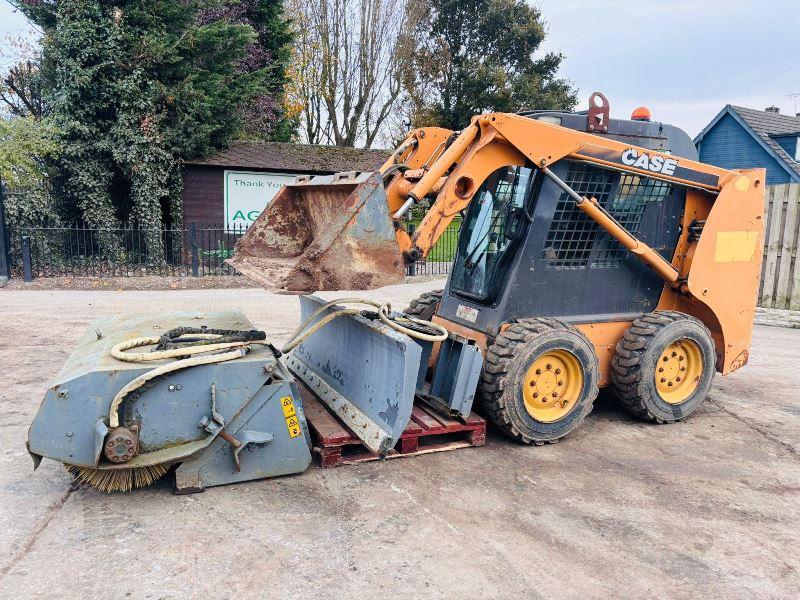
(330, 232)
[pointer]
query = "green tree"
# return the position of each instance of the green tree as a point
(264, 116)
(134, 87)
(475, 56)
(27, 148)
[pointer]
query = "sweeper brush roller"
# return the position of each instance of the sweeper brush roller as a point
(120, 480)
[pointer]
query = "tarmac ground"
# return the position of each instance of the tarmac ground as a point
(708, 507)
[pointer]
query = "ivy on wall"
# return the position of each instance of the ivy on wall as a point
(133, 88)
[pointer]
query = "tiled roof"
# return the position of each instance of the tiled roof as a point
(295, 158)
(767, 125)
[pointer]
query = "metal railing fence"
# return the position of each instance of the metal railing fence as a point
(77, 250)
(440, 258)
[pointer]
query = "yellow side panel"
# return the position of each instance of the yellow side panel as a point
(735, 246)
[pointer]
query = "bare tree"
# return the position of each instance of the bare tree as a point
(350, 61)
(20, 90)
(20, 79)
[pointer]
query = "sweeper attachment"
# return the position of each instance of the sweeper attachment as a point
(229, 412)
(209, 396)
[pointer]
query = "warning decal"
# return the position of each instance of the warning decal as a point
(292, 422)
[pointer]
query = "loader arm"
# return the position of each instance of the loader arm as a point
(497, 140)
(713, 276)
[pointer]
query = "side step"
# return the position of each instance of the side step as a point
(428, 431)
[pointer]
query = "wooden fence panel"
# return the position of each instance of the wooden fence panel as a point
(787, 262)
(780, 275)
(773, 211)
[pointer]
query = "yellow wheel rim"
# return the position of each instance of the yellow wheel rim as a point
(552, 386)
(678, 371)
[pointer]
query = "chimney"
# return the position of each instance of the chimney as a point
(772, 109)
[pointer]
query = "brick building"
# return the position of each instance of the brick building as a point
(234, 185)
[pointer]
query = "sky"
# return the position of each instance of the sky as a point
(683, 59)
(11, 23)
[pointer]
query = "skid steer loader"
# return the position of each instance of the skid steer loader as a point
(593, 252)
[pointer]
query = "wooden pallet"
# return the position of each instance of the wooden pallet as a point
(426, 432)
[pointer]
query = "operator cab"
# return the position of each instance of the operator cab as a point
(524, 242)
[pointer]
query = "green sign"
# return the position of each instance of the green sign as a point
(247, 193)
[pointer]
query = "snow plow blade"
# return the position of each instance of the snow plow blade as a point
(363, 370)
(330, 232)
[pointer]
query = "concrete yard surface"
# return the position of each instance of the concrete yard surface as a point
(709, 507)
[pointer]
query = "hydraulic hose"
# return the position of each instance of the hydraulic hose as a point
(113, 411)
(233, 350)
(305, 329)
(395, 323)
(225, 351)
(118, 351)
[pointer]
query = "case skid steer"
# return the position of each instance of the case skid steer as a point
(593, 252)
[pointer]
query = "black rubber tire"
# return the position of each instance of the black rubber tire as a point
(425, 306)
(506, 362)
(633, 364)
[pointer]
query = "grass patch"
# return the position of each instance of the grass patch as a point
(445, 248)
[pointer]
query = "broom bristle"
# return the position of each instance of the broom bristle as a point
(117, 480)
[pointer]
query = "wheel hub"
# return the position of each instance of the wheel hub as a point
(121, 445)
(552, 386)
(678, 371)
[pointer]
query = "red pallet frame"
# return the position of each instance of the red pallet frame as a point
(427, 431)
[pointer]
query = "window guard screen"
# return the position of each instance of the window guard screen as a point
(574, 241)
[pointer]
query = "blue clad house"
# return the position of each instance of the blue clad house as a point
(740, 138)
